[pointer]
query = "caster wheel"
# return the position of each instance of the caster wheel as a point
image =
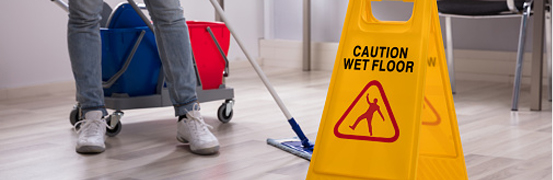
(222, 113)
(116, 130)
(74, 116)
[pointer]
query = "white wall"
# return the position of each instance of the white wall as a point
(33, 48)
(328, 18)
(33, 44)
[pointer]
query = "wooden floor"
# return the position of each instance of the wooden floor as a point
(37, 142)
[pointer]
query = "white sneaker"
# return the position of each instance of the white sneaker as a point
(91, 133)
(194, 131)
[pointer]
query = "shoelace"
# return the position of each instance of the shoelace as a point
(200, 120)
(94, 124)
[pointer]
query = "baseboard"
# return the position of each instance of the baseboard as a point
(37, 90)
(475, 65)
(243, 63)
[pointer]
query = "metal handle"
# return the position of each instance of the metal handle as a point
(226, 72)
(142, 16)
(62, 4)
(116, 76)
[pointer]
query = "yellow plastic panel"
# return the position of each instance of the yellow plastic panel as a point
(441, 153)
(372, 115)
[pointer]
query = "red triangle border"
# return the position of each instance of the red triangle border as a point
(376, 83)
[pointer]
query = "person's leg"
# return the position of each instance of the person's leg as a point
(357, 122)
(173, 43)
(175, 50)
(369, 122)
(84, 43)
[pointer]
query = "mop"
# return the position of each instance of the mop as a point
(301, 147)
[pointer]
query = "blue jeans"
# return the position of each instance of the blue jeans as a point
(171, 32)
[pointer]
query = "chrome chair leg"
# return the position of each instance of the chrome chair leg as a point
(548, 46)
(520, 53)
(449, 53)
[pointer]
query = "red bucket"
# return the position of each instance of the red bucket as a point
(209, 60)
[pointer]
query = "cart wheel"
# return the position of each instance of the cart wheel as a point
(74, 115)
(222, 114)
(113, 132)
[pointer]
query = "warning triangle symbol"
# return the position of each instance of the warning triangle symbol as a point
(430, 116)
(369, 117)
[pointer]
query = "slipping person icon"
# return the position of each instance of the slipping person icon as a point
(369, 114)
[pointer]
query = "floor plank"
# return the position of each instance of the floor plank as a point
(37, 141)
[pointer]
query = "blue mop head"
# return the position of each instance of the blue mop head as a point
(301, 146)
(294, 146)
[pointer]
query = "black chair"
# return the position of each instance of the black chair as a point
(483, 9)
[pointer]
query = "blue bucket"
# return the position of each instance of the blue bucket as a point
(141, 77)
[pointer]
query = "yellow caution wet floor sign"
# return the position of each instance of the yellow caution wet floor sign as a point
(389, 112)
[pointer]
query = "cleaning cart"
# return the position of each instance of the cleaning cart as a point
(131, 67)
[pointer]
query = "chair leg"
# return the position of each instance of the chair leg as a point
(548, 47)
(449, 55)
(520, 53)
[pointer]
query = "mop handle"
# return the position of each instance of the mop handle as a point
(254, 64)
(61, 4)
